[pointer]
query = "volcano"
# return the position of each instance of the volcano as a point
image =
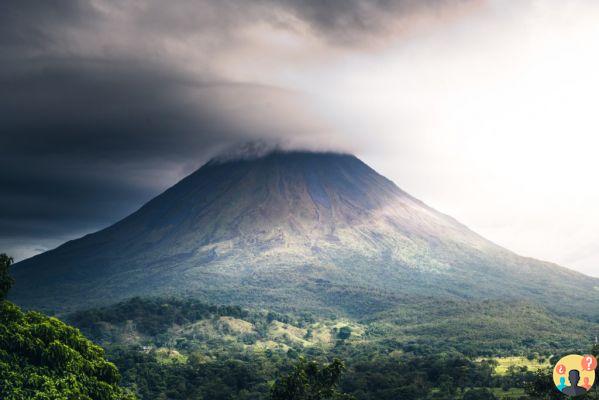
(290, 230)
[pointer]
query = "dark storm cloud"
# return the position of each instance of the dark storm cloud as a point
(105, 103)
(351, 22)
(76, 135)
(338, 22)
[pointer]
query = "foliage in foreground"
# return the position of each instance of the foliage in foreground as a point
(6, 280)
(43, 358)
(310, 381)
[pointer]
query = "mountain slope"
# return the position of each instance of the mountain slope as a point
(291, 230)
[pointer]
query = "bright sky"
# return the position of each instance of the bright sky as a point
(495, 122)
(490, 117)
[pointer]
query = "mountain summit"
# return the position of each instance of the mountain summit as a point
(298, 230)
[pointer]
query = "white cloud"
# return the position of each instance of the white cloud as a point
(491, 119)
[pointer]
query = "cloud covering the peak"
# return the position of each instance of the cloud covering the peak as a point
(482, 108)
(105, 103)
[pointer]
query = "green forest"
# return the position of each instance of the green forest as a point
(180, 348)
(43, 358)
(169, 348)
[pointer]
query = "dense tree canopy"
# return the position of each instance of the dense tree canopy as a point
(43, 358)
(5, 279)
(310, 381)
(182, 349)
(479, 394)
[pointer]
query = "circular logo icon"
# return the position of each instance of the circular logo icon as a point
(574, 374)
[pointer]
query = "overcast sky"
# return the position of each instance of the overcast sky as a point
(484, 109)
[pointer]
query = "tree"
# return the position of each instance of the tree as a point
(6, 281)
(344, 332)
(43, 358)
(541, 386)
(479, 394)
(310, 381)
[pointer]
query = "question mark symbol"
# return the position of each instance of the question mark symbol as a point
(561, 369)
(588, 362)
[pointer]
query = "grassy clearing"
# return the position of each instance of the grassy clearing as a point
(235, 325)
(264, 345)
(506, 362)
(513, 393)
(169, 356)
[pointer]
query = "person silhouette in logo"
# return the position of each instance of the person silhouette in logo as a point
(574, 389)
(562, 384)
(586, 384)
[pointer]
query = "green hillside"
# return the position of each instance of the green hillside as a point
(473, 328)
(186, 348)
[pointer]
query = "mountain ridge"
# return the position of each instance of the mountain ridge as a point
(288, 225)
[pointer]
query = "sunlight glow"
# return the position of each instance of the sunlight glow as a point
(492, 120)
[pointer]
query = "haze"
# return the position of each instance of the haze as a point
(485, 110)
